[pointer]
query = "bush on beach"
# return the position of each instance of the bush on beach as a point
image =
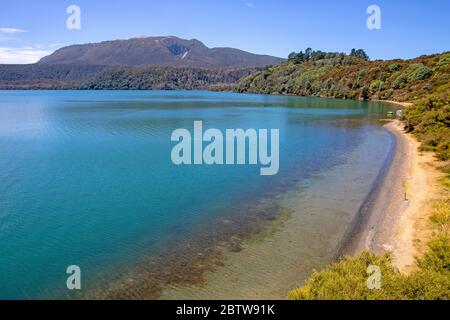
(347, 279)
(429, 119)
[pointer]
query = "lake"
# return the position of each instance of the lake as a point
(86, 179)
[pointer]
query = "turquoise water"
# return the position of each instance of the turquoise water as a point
(86, 177)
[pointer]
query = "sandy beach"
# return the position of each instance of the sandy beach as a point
(398, 219)
(397, 103)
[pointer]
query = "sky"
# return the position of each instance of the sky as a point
(31, 29)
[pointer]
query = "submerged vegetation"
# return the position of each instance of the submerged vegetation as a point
(347, 279)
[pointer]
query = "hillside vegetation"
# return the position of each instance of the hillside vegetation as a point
(337, 75)
(34, 76)
(164, 78)
(429, 119)
(424, 81)
(43, 76)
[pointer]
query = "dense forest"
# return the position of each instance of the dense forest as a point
(424, 81)
(165, 78)
(353, 76)
(43, 76)
(36, 76)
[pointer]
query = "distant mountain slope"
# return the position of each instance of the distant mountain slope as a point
(55, 76)
(41, 76)
(164, 78)
(157, 51)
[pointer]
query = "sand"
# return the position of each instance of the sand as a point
(398, 221)
(401, 104)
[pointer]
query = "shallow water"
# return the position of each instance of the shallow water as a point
(86, 178)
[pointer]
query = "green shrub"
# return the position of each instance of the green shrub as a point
(347, 279)
(437, 258)
(429, 119)
(425, 285)
(446, 179)
(420, 73)
(444, 61)
(441, 213)
(400, 81)
(393, 67)
(376, 85)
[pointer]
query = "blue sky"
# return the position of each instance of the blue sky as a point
(30, 29)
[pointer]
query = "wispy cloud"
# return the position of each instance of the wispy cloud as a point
(22, 55)
(250, 4)
(11, 30)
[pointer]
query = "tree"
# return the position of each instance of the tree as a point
(359, 53)
(297, 58)
(308, 53)
(292, 55)
(365, 93)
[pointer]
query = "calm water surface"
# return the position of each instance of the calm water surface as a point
(86, 178)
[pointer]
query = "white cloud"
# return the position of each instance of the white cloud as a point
(11, 30)
(250, 4)
(22, 55)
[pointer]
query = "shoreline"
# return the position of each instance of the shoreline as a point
(394, 222)
(282, 257)
(397, 103)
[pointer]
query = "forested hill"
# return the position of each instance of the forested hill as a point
(35, 76)
(353, 76)
(424, 81)
(42, 76)
(165, 78)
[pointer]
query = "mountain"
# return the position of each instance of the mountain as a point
(157, 51)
